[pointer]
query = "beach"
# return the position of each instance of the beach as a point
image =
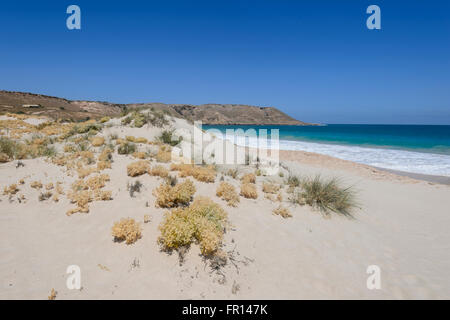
(400, 224)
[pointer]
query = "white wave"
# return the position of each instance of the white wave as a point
(402, 160)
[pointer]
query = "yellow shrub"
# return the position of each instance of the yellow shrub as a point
(36, 184)
(169, 197)
(127, 230)
(203, 221)
(102, 195)
(130, 138)
(139, 155)
(248, 190)
(102, 165)
(98, 141)
(270, 187)
(85, 171)
(4, 158)
(248, 178)
(141, 140)
(105, 119)
(49, 186)
(284, 212)
(69, 148)
(228, 193)
(105, 155)
(12, 189)
(163, 155)
(159, 171)
(204, 174)
(138, 168)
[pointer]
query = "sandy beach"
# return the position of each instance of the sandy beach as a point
(399, 224)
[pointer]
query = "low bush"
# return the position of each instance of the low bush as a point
(203, 221)
(168, 196)
(248, 178)
(159, 171)
(228, 193)
(127, 230)
(269, 187)
(327, 195)
(126, 148)
(282, 211)
(138, 168)
(248, 190)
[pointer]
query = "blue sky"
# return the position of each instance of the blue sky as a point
(315, 60)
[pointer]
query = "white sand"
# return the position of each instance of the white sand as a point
(402, 227)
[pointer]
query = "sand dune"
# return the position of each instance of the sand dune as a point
(401, 225)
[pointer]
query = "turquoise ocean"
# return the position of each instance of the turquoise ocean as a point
(421, 149)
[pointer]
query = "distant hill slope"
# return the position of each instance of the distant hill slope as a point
(218, 114)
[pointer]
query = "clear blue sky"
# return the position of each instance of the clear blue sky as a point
(315, 60)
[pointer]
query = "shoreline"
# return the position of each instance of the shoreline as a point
(329, 162)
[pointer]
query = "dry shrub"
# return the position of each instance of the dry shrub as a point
(204, 174)
(138, 168)
(269, 187)
(36, 184)
(141, 140)
(45, 195)
(130, 138)
(248, 178)
(127, 230)
(232, 173)
(4, 158)
(139, 155)
(228, 193)
(282, 211)
(97, 182)
(52, 295)
(97, 141)
(248, 190)
(126, 148)
(49, 186)
(169, 197)
(21, 181)
(159, 171)
(85, 171)
(164, 155)
(102, 195)
(105, 119)
(105, 155)
(69, 148)
(102, 165)
(12, 189)
(203, 221)
(147, 218)
(279, 197)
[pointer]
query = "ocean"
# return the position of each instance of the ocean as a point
(423, 149)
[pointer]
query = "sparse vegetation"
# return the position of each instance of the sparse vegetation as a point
(138, 168)
(203, 221)
(248, 190)
(127, 230)
(269, 187)
(282, 211)
(228, 193)
(203, 174)
(248, 178)
(134, 187)
(168, 196)
(159, 171)
(167, 137)
(126, 148)
(326, 195)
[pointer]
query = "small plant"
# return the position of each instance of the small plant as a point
(12, 189)
(98, 141)
(167, 137)
(159, 171)
(203, 221)
(36, 185)
(248, 190)
(269, 187)
(327, 195)
(127, 230)
(248, 178)
(138, 168)
(134, 187)
(171, 180)
(232, 173)
(164, 155)
(179, 195)
(282, 211)
(45, 195)
(228, 193)
(105, 119)
(126, 148)
(293, 181)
